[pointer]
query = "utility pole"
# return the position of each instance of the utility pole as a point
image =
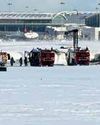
(9, 6)
(62, 4)
(99, 15)
(27, 8)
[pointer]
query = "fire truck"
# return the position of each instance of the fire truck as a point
(76, 55)
(3, 60)
(41, 57)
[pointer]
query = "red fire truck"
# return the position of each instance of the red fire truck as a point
(47, 57)
(41, 57)
(77, 55)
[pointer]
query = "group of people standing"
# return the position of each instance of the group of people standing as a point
(25, 61)
(21, 61)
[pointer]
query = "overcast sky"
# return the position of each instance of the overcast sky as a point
(48, 5)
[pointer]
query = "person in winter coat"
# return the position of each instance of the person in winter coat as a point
(20, 61)
(12, 61)
(25, 61)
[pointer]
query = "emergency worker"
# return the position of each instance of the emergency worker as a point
(12, 61)
(20, 61)
(25, 61)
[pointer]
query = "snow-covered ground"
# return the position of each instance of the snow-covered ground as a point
(59, 95)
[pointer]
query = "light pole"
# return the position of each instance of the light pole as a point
(26, 7)
(35, 10)
(76, 11)
(97, 9)
(9, 6)
(99, 15)
(76, 20)
(62, 4)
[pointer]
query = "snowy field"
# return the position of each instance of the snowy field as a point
(59, 95)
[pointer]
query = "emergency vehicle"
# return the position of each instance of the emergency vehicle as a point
(3, 61)
(76, 55)
(42, 57)
(3, 58)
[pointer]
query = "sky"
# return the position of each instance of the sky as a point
(48, 5)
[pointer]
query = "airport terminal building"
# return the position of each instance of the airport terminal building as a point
(41, 23)
(14, 21)
(93, 22)
(22, 21)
